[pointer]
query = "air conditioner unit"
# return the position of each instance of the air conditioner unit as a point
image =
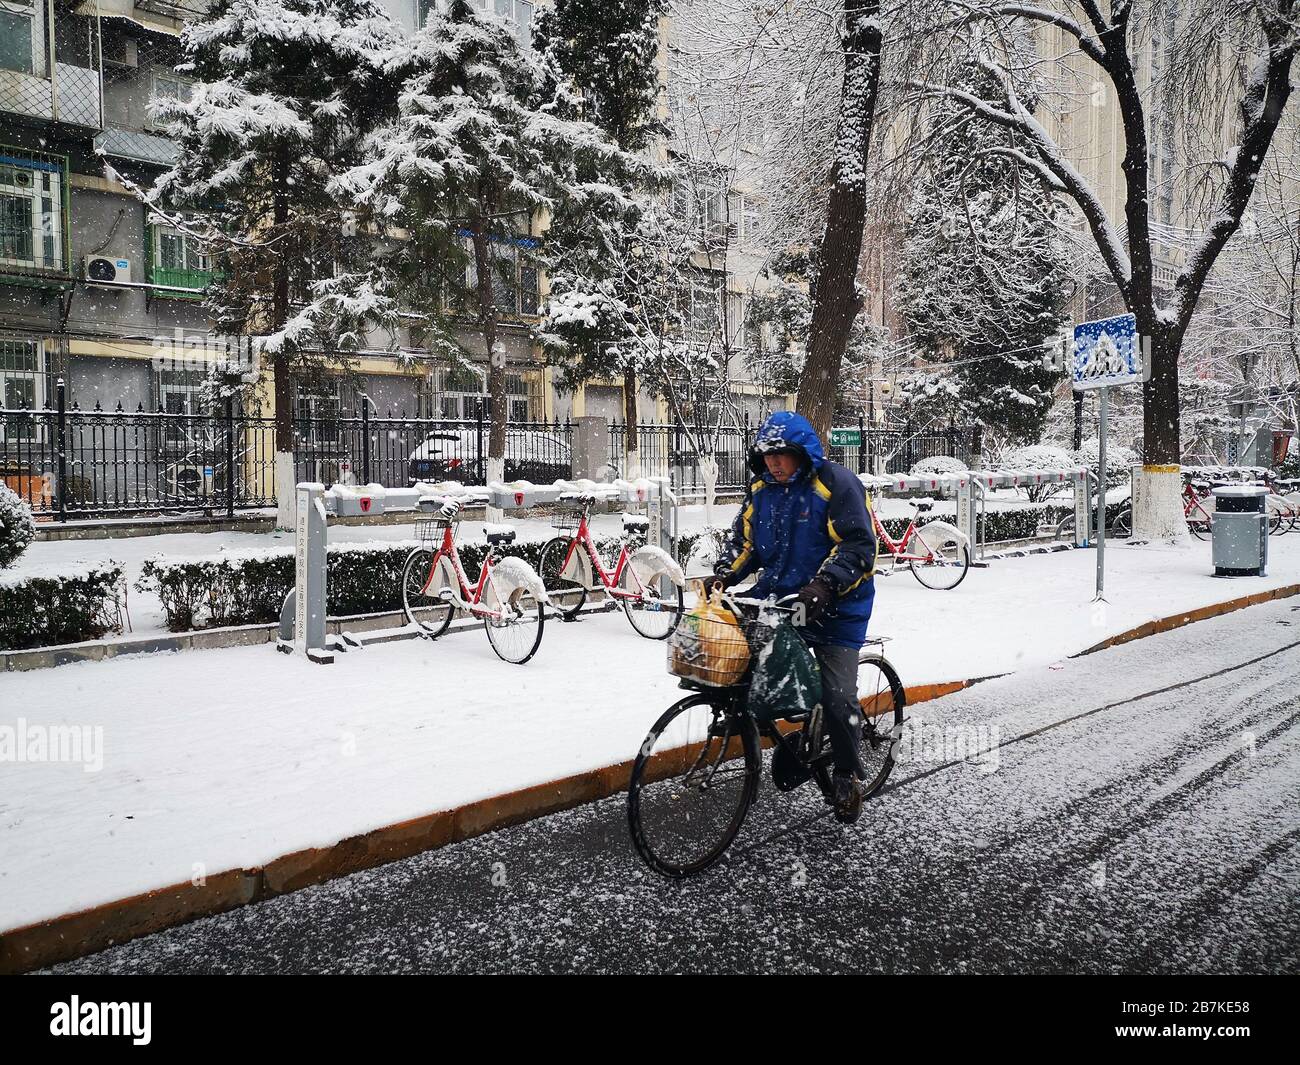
(107, 268)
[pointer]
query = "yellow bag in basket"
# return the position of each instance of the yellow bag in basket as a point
(708, 645)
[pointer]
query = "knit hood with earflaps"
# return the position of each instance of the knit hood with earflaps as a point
(796, 430)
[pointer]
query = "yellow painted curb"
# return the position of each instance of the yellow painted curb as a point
(1188, 617)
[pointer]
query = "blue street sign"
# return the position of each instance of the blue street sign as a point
(1107, 352)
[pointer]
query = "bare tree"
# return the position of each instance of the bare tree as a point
(1209, 48)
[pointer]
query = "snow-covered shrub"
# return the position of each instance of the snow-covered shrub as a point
(246, 589)
(1038, 457)
(940, 464)
(1118, 460)
(38, 610)
(17, 529)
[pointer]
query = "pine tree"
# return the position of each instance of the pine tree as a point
(285, 91)
(487, 142)
(608, 50)
(982, 276)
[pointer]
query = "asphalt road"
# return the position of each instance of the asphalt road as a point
(1138, 811)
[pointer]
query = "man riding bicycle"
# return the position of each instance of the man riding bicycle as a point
(804, 524)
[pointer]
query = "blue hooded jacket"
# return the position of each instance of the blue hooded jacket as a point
(816, 524)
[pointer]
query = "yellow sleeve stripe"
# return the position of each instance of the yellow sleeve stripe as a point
(821, 489)
(830, 528)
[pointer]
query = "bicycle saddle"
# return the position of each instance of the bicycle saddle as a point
(922, 505)
(501, 535)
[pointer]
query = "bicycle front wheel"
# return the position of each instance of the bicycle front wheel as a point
(652, 607)
(427, 591)
(882, 698)
(516, 634)
(693, 781)
(945, 568)
(567, 595)
(1199, 527)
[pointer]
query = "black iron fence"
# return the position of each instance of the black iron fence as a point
(73, 463)
(366, 448)
(69, 463)
(898, 449)
(673, 450)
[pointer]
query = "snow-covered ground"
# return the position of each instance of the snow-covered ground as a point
(229, 758)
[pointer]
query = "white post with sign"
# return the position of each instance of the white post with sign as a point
(1106, 353)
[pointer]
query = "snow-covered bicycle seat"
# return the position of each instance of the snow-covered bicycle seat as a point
(922, 505)
(500, 534)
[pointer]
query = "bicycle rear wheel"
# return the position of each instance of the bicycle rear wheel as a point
(516, 635)
(693, 781)
(654, 609)
(1198, 526)
(945, 569)
(882, 698)
(567, 595)
(425, 590)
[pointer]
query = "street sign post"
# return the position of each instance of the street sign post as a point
(1107, 352)
(846, 438)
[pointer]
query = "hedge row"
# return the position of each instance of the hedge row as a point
(42, 611)
(250, 589)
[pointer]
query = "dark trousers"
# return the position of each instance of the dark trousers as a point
(841, 711)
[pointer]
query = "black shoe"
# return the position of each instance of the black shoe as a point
(848, 798)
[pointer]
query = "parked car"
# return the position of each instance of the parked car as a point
(453, 455)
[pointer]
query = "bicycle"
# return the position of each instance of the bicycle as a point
(1199, 518)
(1119, 525)
(638, 579)
(945, 557)
(696, 775)
(508, 594)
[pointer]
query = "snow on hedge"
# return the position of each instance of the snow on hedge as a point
(17, 528)
(940, 464)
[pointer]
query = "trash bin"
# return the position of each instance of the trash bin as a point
(1239, 530)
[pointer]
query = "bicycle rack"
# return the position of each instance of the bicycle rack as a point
(303, 615)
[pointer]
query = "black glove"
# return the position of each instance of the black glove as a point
(721, 578)
(815, 597)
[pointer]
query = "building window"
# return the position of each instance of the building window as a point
(19, 36)
(515, 286)
(178, 260)
(462, 395)
(317, 414)
(700, 198)
(167, 86)
(20, 387)
(31, 212)
(702, 312)
(518, 13)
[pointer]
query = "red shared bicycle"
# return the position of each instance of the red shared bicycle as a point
(645, 580)
(937, 553)
(507, 596)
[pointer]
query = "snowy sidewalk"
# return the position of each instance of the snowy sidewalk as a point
(216, 760)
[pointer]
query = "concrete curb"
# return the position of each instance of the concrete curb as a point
(89, 931)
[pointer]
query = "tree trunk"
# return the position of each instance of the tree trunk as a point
(286, 494)
(496, 356)
(838, 299)
(631, 443)
(1157, 489)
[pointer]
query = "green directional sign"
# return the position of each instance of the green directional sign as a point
(846, 438)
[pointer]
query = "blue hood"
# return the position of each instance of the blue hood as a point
(796, 430)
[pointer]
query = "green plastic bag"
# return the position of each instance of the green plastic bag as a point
(786, 678)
